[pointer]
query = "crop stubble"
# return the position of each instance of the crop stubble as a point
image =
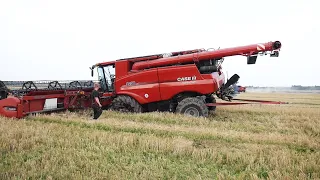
(238, 142)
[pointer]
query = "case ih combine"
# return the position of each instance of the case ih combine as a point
(185, 82)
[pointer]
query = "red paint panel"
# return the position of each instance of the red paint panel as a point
(122, 68)
(36, 105)
(143, 93)
(142, 86)
(170, 85)
(43, 97)
(20, 112)
(9, 102)
(106, 63)
(171, 74)
(26, 106)
(170, 89)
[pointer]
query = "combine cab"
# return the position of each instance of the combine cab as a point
(186, 82)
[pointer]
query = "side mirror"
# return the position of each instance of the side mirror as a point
(91, 71)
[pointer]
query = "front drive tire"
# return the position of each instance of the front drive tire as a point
(123, 103)
(211, 99)
(192, 106)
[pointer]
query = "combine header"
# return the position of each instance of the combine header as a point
(183, 82)
(19, 98)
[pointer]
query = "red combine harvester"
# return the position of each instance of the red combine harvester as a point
(183, 82)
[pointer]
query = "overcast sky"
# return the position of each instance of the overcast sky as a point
(60, 39)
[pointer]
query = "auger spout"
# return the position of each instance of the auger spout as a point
(205, 55)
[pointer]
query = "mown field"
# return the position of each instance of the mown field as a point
(236, 142)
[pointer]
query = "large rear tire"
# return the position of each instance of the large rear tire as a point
(124, 103)
(192, 106)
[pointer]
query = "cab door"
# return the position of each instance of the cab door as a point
(106, 89)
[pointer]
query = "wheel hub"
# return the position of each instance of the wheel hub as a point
(192, 111)
(122, 107)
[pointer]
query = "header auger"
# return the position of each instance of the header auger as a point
(181, 82)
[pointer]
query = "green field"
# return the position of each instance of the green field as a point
(236, 142)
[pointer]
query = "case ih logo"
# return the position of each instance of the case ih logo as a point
(193, 78)
(132, 83)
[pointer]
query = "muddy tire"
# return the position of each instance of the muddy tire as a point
(211, 99)
(192, 106)
(125, 104)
